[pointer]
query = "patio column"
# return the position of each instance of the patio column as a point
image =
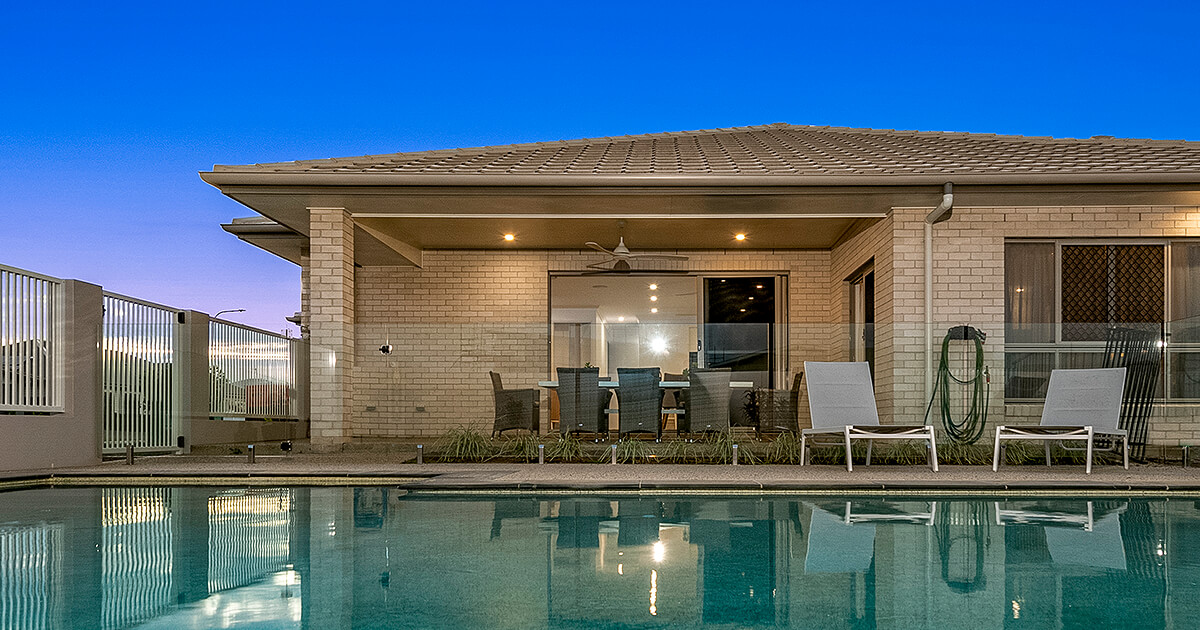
(331, 324)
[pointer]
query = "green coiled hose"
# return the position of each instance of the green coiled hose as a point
(969, 429)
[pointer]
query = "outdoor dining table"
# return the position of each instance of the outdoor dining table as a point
(661, 384)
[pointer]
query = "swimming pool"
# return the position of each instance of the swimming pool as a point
(382, 558)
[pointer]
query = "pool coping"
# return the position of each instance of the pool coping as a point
(454, 483)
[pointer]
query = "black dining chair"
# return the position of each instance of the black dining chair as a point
(780, 411)
(708, 400)
(515, 408)
(581, 402)
(639, 400)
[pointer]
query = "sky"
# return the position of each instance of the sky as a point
(109, 110)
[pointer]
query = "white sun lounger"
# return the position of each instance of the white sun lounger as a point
(841, 402)
(1080, 404)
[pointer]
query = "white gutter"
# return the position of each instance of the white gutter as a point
(941, 213)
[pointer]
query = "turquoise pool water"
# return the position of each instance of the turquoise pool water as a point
(330, 558)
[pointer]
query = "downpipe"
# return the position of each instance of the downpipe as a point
(942, 212)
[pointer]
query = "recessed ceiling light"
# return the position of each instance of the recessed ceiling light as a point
(622, 318)
(722, 280)
(739, 236)
(653, 298)
(510, 237)
(653, 310)
(751, 297)
(743, 310)
(653, 287)
(758, 286)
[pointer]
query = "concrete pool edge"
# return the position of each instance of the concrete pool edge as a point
(456, 484)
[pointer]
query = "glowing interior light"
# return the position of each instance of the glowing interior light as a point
(1019, 290)
(653, 298)
(621, 318)
(658, 345)
(742, 310)
(654, 310)
(653, 287)
(510, 237)
(620, 568)
(758, 286)
(660, 551)
(740, 237)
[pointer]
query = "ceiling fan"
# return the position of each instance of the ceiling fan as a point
(620, 256)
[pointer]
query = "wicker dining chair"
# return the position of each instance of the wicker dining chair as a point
(515, 408)
(708, 400)
(779, 410)
(581, 402)
(639, 400)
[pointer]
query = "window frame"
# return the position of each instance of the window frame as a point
(1058, 347)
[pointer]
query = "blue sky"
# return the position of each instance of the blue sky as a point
(108, 112)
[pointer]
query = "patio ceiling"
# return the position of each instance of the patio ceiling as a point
(395, 224)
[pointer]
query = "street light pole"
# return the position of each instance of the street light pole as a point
(229, 310)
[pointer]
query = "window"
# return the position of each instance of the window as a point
(1061, 297)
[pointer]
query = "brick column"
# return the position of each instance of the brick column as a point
(331, 324)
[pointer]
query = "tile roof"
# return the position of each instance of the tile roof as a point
(778, 149)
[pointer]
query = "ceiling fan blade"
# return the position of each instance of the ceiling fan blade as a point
(602, 265)
(597, 247)
(659, 256)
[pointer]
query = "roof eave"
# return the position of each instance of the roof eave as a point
(222, 178)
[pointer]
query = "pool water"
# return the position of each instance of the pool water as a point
(330, 558)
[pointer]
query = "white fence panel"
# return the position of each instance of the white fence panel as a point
(252, 373)
(138, 374)
(30, 366)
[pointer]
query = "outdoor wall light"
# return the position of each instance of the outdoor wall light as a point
(385, 348)
(510, 237)
(739, 237)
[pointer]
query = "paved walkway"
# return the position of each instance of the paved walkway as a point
(390, 469)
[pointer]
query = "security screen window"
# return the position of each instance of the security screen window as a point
(1111, 285)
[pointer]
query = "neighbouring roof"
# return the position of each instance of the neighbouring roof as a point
(779, 150)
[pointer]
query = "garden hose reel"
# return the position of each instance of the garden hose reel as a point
(968, 427)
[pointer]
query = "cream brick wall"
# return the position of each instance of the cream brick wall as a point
(968, 261)
(467, 312)
(331, 293)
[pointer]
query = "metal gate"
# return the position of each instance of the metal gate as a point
(138, 351)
